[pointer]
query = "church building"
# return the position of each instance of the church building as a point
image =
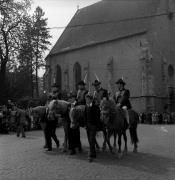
(111, 39)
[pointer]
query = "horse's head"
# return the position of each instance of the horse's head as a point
(57, 107)
(108, 108)
(105, 111)
(76, 115)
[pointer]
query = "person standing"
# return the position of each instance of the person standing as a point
(121, 98)
(21, 119)
(50, 130)
(92, 120)
(74, 133)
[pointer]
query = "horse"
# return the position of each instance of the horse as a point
(39, 112)
(61, 107)
(114, 119)
(77, 118)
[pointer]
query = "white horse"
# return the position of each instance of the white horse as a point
(61, 107)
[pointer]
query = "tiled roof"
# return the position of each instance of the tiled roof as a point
(104, 21)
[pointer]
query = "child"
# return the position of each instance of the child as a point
(92, 120)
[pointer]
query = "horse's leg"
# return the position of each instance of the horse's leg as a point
(65, 144)
(115, 138)
(96, 144)
(119, 145)
(105, 138)
(125, 140)
(109, 133)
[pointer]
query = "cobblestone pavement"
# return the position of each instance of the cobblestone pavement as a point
(25, 159)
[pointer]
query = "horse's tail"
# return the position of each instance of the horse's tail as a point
(133, 135)
(133, 118)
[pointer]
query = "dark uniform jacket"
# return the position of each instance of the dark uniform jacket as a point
(122, 97)
(99, 95)
(92, 115)
(81, 97)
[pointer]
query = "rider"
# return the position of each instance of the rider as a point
(99, 93)
(121, 98)
(56, 94)
(81, 93)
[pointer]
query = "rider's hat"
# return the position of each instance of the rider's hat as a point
(120, 81)
(82, 83)
(96, 83)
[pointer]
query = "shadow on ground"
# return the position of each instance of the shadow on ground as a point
(144, 162)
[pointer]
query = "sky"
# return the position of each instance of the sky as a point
(59, 14)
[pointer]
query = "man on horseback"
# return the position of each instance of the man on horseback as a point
(56, 94)
(81, 93)
(99, 93)
(121, 98)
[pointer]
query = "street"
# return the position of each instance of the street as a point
(25, 158)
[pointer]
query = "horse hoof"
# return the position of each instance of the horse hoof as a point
(114, 146)
(64, 150)
(120, 155)
(135, 150)
(112, 152)
(103, 148)
(125, 151)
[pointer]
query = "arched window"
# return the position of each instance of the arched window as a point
(77, 74)
(58, 76)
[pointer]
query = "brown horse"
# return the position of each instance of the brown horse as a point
(77, 118)
(114, 121)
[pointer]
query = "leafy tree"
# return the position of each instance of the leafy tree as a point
(11, 19)
(40, 42)
(26, 52)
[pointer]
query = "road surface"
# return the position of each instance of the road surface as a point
(25, 159)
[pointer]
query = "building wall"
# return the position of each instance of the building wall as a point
(109, 61)
(161, 39)
(142, 61)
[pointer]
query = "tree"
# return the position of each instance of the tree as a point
(40, 41)
(11, 19)
(26, 52)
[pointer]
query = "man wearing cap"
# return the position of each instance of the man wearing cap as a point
(74, 133)
(81, 93)
(99, 93)
(92, 120)
(121, 98)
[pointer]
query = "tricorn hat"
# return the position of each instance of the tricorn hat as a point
(120, 81)
(82, 83)
(96, 83)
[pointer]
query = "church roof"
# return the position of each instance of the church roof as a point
(105, 21)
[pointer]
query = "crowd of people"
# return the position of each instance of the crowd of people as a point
(20, 120)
